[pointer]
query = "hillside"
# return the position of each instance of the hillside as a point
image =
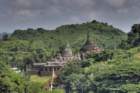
(38, 45)
(103, 34)
(120, 74)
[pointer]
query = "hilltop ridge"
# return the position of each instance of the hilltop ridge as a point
(103, 34)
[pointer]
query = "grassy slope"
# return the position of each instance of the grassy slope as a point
(40, 79)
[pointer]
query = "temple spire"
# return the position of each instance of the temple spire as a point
(53, 78)
(88, 36)
(67, 51)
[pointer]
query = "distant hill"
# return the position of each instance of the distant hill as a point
(38, 45)
(103, 34)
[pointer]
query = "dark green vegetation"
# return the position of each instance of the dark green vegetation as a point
(133, 38)
(134, 35)
(102, 33)
(10, 82)
(115, 70)
(120, 74)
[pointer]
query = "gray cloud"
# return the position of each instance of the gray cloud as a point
(15, 14)
(117, 3)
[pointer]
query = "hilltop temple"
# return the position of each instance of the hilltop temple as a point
(64, 56)
(89, 47)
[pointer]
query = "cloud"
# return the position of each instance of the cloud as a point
(117, 3)
(25, 13)
(23, 3)
(57, 12)
(123, 11)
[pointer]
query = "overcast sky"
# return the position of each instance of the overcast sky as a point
(22, 14)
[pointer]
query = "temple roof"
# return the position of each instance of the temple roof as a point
(66, 52)
(89, 45)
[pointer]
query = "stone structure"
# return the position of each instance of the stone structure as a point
(64, 56)
(89, 47)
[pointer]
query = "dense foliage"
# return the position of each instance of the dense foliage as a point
(134, 35)
(10, 82)
(117, 75)
(103, 34)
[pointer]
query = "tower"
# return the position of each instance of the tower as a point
(89, 47)
(67, 53)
